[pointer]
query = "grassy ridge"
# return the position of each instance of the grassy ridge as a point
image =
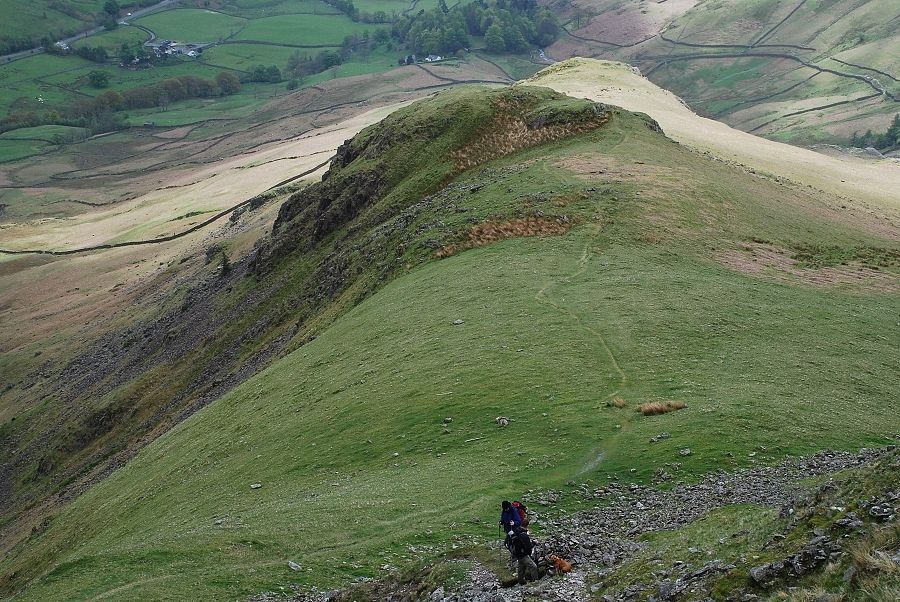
(345, 434)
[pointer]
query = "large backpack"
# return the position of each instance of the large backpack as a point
(521, 509)
(522, 545)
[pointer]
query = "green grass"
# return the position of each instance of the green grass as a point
(302, 30)
(22, 82)
(254, 9)
(112, 40)
(515, 66)
(48, 133)
(246, 56)
(27, 142)
(37, 18)
(123, 79)
(43, 82)
(345, 433)
(11, 149)
(192, 25)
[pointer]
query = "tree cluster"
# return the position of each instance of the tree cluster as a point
(299, 66)
(9, 45)
(168, 91)
(133, 51)
(261, 73)
(98, 79)
(96, 54)
(507, 26)
(889, 139)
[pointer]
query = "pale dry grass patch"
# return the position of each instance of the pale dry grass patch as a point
(618, 402)
(653, 408)
(872, 554)
(765, 260)
(815, 594)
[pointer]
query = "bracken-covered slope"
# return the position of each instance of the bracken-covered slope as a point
(542, 258)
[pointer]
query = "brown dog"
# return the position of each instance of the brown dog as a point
(561, 565)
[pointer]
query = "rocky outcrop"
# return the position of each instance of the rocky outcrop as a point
(812, 556)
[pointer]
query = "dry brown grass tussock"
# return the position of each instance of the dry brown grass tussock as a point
(491, 232)
(870, 554)
(618, 402)
(652, 408)
(509, 133)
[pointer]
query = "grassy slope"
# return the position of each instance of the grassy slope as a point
(35, 19)
(628, 303)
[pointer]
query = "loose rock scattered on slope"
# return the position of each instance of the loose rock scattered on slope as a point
(599, 539)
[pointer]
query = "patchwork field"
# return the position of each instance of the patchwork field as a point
(274, 31)
(723, 57)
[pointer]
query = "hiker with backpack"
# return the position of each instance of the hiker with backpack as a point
(521, 546)
(509, 516)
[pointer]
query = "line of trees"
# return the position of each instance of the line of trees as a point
(889, 139)
(96, 54)
(161, 94)
(101, 113)
(9, 45)
(261, 73)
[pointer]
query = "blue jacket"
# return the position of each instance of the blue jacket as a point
(510, 515)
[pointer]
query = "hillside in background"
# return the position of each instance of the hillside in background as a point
(803, 71)
(482, 253)
(31, 21)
